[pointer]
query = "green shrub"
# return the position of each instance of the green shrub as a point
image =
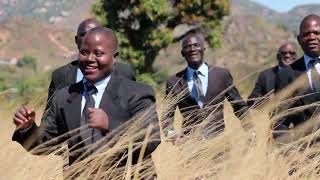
(27, 62)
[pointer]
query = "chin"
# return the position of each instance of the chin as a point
(91, 78)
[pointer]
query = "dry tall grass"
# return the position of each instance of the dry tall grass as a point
(236, 153)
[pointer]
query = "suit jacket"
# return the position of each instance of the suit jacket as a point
(67, 75)
(264, 84)
(220, 87)
(122, 100)
(285, 78)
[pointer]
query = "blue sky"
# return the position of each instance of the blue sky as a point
(284, 5)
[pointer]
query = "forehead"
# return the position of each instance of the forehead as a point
(310, 24)
(287, 47)
(192, 40)
(97, 39)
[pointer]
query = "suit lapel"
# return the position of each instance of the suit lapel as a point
(109, 98)
(72, 74)
(73, 106)
(211, 86)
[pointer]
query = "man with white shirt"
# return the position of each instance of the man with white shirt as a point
(308, 67)
(101, 102)
(205, 86)
(71, 73)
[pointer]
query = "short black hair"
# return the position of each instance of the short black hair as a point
(108, 33)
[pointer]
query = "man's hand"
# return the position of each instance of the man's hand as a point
(24, 117)
(175, 137)
(98, 119)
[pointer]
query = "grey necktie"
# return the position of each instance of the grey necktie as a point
(198, 86)
(87, 133)
(315, 77)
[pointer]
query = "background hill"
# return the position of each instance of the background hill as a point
(21, 36)
(45, 30)
(289, 20)
(61, 13)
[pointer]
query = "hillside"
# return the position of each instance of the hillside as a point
(289, 20)
(61, 13)
(20, 36)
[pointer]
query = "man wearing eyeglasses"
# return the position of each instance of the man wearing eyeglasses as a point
(265, 84)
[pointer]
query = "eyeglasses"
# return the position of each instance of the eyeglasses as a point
(288, 52)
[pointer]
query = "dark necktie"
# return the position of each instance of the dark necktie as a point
(87, 133)
(315, 77)
(198, 86)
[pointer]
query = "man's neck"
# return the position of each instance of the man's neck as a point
(196, 66)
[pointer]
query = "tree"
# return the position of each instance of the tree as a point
(144, 27)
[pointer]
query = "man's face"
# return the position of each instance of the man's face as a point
(82, 31)
(309, 37)
(192, 51)
(286, 54)
(96, 57)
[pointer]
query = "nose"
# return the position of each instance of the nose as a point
(91, 57)
(312, 36)
(287, 55)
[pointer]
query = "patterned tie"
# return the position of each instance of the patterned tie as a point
(198, 86)
(315, 78)
(87, 133)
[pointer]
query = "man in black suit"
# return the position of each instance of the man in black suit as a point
(70, 73)
(205, 86)
(308, 68)
(101, 102)
(264, 86)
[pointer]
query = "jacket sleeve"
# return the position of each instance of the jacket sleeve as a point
(238, 104)
(34, 136)
(143, 107)
(167, 117)
(257, 90)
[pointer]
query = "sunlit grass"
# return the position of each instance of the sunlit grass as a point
(244, 150)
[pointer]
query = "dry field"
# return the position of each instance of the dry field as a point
(245, 150)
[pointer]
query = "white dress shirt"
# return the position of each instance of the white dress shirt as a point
(204, 70)
(101, 86)
(307, 59)
(79, 75)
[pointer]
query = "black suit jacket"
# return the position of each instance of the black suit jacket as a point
(67, 75)
(285, 78)
(220, 86)
(122, 100)
(265, 84)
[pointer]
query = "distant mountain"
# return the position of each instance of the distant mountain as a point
(62, 13)
(289, 20)
(250, 8)
(293, 18)
(21, 36)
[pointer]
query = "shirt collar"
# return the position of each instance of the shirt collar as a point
(307, 59)
(100, 85)
(203, 69)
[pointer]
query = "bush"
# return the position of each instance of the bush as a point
(27, 62)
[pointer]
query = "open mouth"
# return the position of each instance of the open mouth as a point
(90, 68)
(313, 45)
(194, 55)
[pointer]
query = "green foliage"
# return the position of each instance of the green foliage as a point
(144, 27)
(147, 79)
(27, 62)
(2, 84)
(31, 88)
(161, 76)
